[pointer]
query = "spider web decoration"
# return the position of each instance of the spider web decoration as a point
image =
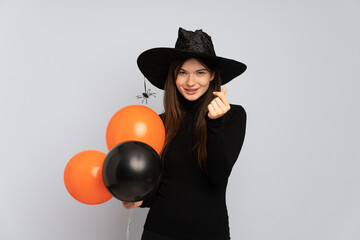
(146, 94)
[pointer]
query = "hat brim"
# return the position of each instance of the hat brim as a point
(154, 64)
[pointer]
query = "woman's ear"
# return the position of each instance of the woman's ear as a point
(212, 76)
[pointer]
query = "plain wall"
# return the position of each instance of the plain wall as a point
(67, 66)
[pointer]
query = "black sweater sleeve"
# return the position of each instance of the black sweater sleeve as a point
(225, 137)
(149, 199)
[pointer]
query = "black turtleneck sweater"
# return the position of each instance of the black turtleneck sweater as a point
(189, 203)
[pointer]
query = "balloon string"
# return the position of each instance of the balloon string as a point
(128, 226)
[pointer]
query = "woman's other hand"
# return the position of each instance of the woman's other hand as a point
(219, 105)
(129, 205)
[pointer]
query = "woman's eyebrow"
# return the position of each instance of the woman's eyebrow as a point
(197, 70)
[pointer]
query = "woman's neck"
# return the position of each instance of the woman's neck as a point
(192, 106)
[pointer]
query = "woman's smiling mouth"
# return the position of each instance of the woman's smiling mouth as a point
(191, 91)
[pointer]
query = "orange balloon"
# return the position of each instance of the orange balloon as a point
(83, 177)
(136, 123)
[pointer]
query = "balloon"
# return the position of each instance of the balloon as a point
(83, 177)
(132, 170)
(136, 123)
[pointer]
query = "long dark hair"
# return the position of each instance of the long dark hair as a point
(173, 115)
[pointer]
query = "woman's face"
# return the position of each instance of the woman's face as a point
(193, 79)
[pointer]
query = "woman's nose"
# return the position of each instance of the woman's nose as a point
(191, 80)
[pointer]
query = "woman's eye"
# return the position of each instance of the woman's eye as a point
(182, 73)
(201, 73)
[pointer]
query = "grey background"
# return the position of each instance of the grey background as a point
(67, 66)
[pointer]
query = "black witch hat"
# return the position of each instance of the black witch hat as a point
(154, 63)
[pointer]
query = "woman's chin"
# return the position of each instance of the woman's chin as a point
(191, 97)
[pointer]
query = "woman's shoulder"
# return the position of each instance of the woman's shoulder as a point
(236, 112)
(162, 116)
(237, 109)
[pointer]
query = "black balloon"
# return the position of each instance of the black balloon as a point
(132, 170)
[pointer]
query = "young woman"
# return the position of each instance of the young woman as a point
(204, 136)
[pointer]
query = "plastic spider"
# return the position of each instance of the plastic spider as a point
(145, 95)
